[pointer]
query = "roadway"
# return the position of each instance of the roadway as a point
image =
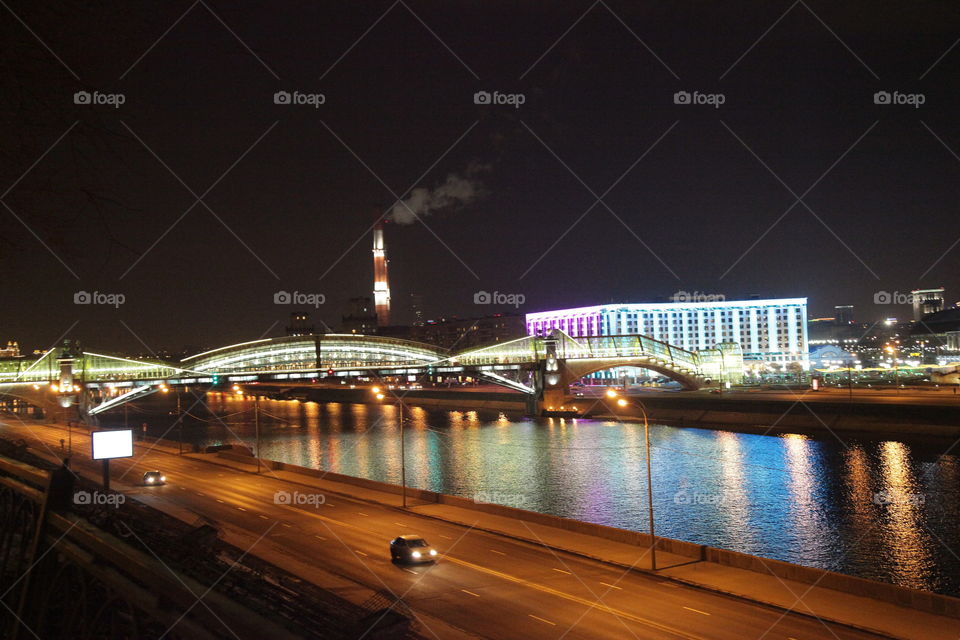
(488, 585)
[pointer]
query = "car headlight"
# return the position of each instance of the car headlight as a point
(149, 480)
(433, 552)
(416, 554)
(163, 478)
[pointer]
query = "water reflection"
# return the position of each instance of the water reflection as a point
(887, 510)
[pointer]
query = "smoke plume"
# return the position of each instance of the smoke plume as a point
(457, 190)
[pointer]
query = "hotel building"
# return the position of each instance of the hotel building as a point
(769, 331)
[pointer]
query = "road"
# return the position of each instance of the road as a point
(488, 585)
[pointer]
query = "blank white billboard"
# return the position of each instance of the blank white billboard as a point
(112, 444)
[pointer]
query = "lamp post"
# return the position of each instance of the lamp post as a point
(646, 435)
(403, 452)
(896, 369)
(256, 420)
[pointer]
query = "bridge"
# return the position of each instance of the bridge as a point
(542, 367)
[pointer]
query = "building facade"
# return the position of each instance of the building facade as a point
(769, 331)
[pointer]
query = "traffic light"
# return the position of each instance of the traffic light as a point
(329, 372)
(216, 380)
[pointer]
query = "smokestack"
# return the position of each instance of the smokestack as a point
(381, 285)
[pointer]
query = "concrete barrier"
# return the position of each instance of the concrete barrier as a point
(915, 599)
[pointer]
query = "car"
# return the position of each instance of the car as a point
(154, 478)
(411, 549)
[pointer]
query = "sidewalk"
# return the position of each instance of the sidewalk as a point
(799, 597)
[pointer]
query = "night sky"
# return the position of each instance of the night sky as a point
(694, 198)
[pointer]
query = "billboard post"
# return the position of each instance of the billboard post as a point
(106, 445)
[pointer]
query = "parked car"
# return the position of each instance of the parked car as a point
(411, 549)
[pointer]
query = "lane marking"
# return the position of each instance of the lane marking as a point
(200, 494)
(360, 553)
(363, 514)
(321, 537)
(697, 611)
(541, 619)
(241, 508)
(562, 571)
(286, 524)
(471, 593)
(500, 552)
(447, 537)
(264, 517)
(411, 571)
(583, 601)
(400, 524)
(220, 501)
(612, 586)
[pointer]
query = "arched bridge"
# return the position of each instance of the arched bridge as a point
(541, 366)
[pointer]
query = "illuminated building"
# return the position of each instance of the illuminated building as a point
(12, 350)
(926, 301)
(772, 331)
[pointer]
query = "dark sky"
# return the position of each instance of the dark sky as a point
(291, 211)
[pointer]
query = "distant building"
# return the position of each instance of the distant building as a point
(926, 301)
(359, 317)
(829, 355)
(940, 332)
(843, 314)
(416, 308)
(466, 333)
(300, 324)
(12, 350)
(771, 331)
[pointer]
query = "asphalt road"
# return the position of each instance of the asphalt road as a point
(488, 585)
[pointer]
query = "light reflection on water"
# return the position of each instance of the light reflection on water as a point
(885, 510)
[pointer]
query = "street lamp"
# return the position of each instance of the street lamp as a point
(403, 453)
(256, 419)
(622, 402)
(896, 369)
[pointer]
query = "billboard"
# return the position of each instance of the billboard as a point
(112, 444)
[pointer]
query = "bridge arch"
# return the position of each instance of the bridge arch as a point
(688, 379)
(313, 353)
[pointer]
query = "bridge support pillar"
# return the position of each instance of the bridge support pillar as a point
(552, 384)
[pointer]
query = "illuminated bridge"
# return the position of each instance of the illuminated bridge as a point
(540, 366)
